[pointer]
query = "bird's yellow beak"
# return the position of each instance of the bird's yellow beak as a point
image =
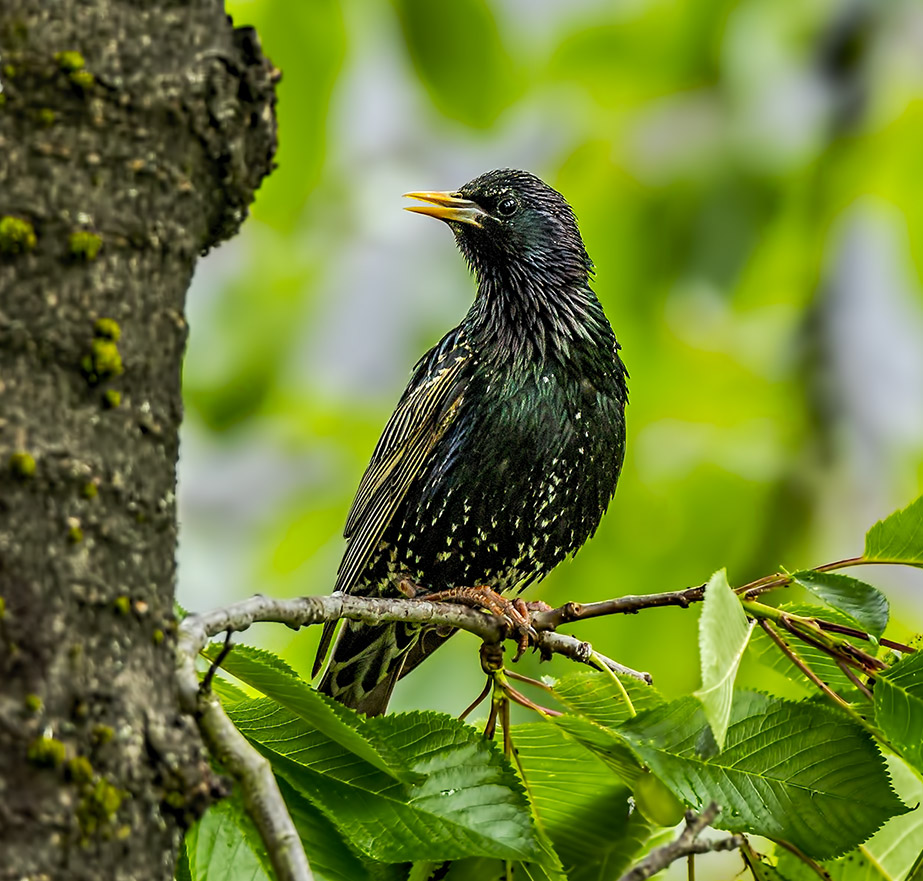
(450, 207)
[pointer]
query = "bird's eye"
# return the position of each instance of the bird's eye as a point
(507, 206)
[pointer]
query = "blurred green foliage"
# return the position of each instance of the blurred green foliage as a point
(747, 179)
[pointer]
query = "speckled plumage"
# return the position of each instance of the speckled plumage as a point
(505, 448)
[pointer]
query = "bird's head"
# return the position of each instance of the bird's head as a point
(511, 226)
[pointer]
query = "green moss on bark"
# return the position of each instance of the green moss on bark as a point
(16, 235)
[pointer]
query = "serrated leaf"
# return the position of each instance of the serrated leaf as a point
(899, 842)
(330, 857)
(819, 661)
(723, 635)
(609, 745)
(495, 870)
(795, 771)
(461, 798)
(255, 655)
(898, 538)
(854, 866)
(579, 803)
(593, 695)
(866, 605)
(888, 855)
(596, 708)
(899, 707)
(227, 691)
(225, 844)
(271, 676)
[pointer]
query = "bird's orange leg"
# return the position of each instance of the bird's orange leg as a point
(515, 612)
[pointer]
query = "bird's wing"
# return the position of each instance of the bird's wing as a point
(422, 417)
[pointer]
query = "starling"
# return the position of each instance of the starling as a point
(506, 446)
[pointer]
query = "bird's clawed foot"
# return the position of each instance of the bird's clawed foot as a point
(515, 612)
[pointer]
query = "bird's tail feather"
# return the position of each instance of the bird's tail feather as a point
(368, 660)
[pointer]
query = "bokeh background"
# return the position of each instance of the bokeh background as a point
(749, 181)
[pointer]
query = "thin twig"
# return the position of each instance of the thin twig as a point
(206, 685)
(583, 652)
(814, 866)
(522, 700)
(855, 680)
(802, 666)
(474, 704)
(626, 605)
(847, 652)
(528, 680)
(861, 634)
(686, 844)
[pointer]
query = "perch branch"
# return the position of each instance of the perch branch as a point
(254, 776)
(687, 844)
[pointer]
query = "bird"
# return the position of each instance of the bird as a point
(506, 446)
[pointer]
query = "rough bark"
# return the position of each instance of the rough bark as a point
(132, 138)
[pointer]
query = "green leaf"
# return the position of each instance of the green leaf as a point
(916, 870)
(227, 691)
(865, 604)
(460, 797)
(439, 38)
(579, 803)
(898, 538)
(819, 661)
(607, 744)
(855, 866)
(890, 854)
(795, 771)
(597, 707)
(495, 870)
(760, 866)
(723, 635)
(182, 872)
(899, 707)
(225, 844)
(898, 843)
(271, 676)
(325, 848)
(594, 695)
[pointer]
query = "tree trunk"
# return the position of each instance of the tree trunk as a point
(132, 137)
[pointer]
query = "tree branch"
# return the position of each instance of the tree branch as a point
(688, 843)
(252, 771)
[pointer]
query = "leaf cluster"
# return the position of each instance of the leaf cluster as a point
(590, 787)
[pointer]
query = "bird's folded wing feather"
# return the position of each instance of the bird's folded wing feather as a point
(422, 417)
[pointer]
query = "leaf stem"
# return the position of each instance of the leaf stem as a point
(476, 702)
(792, 655)
(855, 679)
(529, 680)
(811, 864)
(631, 707)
